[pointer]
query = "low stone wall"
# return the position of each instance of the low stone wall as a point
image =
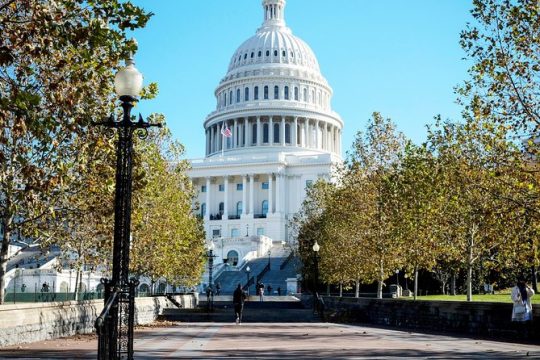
(476, 318)
(29, 322)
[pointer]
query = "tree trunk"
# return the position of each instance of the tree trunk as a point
(534, 279)
(327, 289)
(380, 282)
(415, 282)
(444, 287)
(4, 261)
(470, 267)
(340, 289)
(76, 287)
(453, 283)
(357, 289)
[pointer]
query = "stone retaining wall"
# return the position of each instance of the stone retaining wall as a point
(476, 318)
(29, 322)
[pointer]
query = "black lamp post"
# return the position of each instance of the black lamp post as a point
(248, 270)
(269, 253)
(210, 290)
(316, 249)
(115, 324)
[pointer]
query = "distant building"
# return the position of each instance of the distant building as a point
(272, 134)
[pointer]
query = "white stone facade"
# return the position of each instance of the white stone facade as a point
(283, 137)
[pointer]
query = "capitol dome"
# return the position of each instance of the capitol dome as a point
(273, 96)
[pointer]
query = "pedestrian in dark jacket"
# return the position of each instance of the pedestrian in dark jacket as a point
(239, 297)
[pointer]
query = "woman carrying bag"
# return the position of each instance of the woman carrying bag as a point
(521, 297)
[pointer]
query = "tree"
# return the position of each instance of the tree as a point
(56, 71)
(417, 202)
(165, 228)
(370, 165)
(476, 160)
(504, 45)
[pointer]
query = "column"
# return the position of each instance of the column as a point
(270, 131)
(226, 201)
(325, 136)
(295, 132)
(306, 132)
(220, 137)
(211, 139)
(270, 194)
(244, 194)
(251, 189)
(278, 193)
(316, 134)
(283, 142)
(259, 132)
(247, 132)
(208, 207)
(236, 134)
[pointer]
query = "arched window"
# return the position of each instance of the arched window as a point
(283, 53)
(267, 52)
(286, 93)
(221, 208)
(256, 93)
(299, 134)
(246, 94)
(296, 93)
(239, 208)
(313, 96)
(265, 133)
(237, 95)
(288, 133)
(144, 288)
(252, 55)
(259, 54)
(264, 207)
(203, 209)
(254, 134)
(305, 94)
(245, 56)
(276, 92)
(224, 99)
(266, 93)
(276, 132)
(232, 258)
(275, 52)
(230, 97)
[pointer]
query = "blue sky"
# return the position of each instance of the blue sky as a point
(399, 57)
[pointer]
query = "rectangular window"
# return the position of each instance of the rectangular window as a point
(264, 186)
(266, 93)
(276, 92)
(256, 93)
(203, 188)
(260, 231)
(216, 233)
(221, 187)
(235, 232)
(239, 187)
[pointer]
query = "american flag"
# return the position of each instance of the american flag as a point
(226, 131)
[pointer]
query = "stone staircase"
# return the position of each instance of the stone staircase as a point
(272, 310)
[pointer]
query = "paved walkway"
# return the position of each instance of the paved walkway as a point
(280, 341)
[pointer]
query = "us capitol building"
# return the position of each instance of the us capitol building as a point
(272, 134)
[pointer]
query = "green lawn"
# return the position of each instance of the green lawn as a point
(493, 298)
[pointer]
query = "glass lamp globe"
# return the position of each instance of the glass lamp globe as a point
(248, 269)
(128, 81)
(316, 247)
(211, 246)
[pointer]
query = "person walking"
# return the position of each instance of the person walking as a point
(261, 292)
(239, 297)
(521, 297)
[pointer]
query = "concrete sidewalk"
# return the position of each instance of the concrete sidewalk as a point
(280, 341)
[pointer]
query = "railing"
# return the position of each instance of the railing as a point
(250, 282)
(263, 272)
(286, 261)
(103, 327)
(234, 217)
(259, 216)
